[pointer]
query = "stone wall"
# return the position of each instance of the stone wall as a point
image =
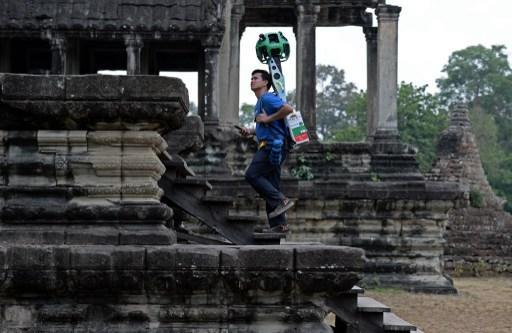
(385, 208)
(199, 289)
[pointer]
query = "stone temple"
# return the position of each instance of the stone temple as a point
(120, 213)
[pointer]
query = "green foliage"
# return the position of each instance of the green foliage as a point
(478, 75)
(496, 160)
(332, 97)
(353, 126)
(374, 177)
(246, 115)
(329, 156)
(302, 171)
(476, 199)
(421, 119)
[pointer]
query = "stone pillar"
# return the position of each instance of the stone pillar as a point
(211, 82)
(371, 79)
(231, 69)
(387, 64)
(58, 46)
(134, 46)
(5, 55)
(306, 65)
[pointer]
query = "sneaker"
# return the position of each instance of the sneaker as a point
(281, 208)
(279, 229)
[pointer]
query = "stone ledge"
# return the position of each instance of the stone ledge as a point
(92, 102)
(181, 269)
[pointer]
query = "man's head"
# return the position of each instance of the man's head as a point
(260, 78)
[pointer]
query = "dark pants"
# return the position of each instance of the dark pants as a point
(265, 178)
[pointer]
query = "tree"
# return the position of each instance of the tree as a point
(353, 126)
(421, 119)
(496, 162)
(246, 115)
(333, 96)
(479, 75)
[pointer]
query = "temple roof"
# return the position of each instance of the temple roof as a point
(112, 15)
(169, 16)
(337, 3)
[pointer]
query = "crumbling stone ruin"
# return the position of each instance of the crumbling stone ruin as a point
(102, 176)
(479, 234)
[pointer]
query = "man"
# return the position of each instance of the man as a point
(264, 172)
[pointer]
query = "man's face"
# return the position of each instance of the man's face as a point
(257, 81)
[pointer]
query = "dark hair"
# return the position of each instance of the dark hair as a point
(264, 75)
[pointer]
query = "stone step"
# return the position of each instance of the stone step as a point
(195, 182)
(179, 165)
(368, 304)
(218, 199)
(264, 238)
(200, 239)
(189, 195)
(393, 323)
(241, 218)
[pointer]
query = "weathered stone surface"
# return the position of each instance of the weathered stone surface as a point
(477, 238)
(110, 288)
(458, 157)
(398, 220)
(92, 102)
(114, 15)
(188, 138)
(105, 182)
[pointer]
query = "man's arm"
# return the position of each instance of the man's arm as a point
(280, 114)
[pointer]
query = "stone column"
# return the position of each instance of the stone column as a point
(387, 65)
(134, 46)
(230, 108)
(371, 80)
(306, 65)
(58, 46)
(5, 55)
(211, 81)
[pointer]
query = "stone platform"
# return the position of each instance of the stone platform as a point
(84, 239)
(179, 288)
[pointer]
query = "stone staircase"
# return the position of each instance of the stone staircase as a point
(187, 192)
(356, 313)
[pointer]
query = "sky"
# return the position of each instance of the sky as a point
(429, 31)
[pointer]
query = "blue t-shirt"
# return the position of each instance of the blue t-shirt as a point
(270, 103)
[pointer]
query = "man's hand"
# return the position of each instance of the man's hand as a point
(246, 132)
